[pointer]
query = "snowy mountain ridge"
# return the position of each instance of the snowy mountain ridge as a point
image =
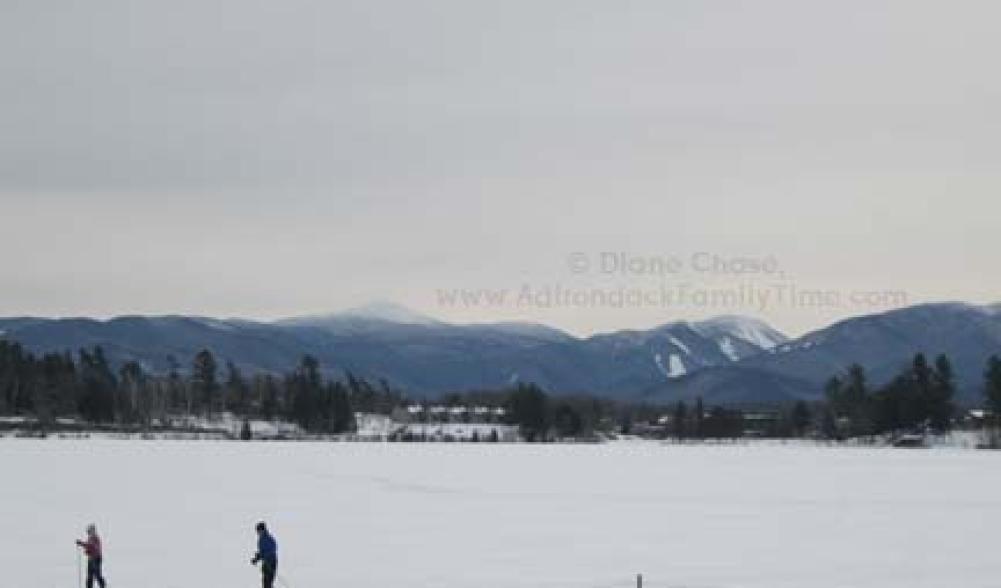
(751, 330)
(413, 351)
(882, 343)
(379, 311)
(727, 358)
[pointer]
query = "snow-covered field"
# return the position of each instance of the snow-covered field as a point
(181, 514)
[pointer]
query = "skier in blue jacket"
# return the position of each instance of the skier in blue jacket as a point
(267, 554)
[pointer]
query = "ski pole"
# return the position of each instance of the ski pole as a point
(79, 570)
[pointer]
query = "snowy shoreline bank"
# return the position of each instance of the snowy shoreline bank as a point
(963, 440)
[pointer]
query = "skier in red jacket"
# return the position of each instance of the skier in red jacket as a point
(92, 547)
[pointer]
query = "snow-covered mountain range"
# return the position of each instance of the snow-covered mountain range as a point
(727, 359)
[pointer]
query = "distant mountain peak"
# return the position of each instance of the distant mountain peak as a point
(374, 312)
(749, 329)
(390, 312)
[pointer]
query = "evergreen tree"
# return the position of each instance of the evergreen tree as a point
(828, 424)
(51, 381)
(992, 385)
(130, 405)
(699, 419)
(920, 397)
(343, 414)
(528, 407)
(305, 390)
(566, 421)
(204, 385)
(237, 393)
(800, 418)
(98, 387)
(851, 402)
(268, 394)
(680, 420)
(919, 403)
(834, 393)
(178, 392)
(943, 388)
(859, 402)
(892, 413)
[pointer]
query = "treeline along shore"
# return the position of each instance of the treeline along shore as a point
(83, 391)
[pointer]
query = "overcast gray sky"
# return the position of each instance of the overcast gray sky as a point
(264, 158)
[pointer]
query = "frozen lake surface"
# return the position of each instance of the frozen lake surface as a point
(180, 514)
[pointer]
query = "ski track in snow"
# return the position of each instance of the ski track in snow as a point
(755, 335)
(175, 514)
(727, 348)
(659, 361)
(679, 344)
(676, 367)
